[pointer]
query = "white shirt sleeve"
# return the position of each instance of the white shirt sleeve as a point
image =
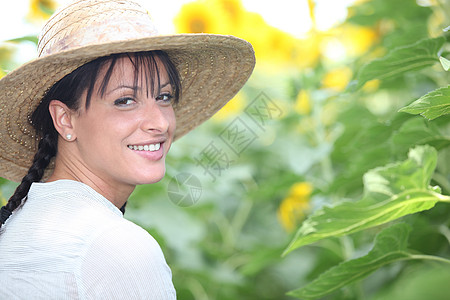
(125, 262)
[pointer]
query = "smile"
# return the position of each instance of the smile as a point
(150, 147)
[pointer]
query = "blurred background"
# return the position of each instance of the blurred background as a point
(300, 135)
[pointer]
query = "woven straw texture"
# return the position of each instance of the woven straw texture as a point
(213, 68)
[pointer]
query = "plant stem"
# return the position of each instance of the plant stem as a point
(430, 257)
(444, 198)
(241, 215)
(197, 289)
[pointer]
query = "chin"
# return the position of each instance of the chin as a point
(153, 177)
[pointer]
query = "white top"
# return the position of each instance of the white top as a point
(69, 242)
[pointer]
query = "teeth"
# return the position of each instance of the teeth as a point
(150, 147)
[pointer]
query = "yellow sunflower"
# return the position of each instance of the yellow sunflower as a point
(337, 79)
(254, 30)
(303, 103)
(371, 85)
(306, 51)
(200, 17)
(40, 10)
(234, 12)
(295, 206)
(357, 39)
(231, 109)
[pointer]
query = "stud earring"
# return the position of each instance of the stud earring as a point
(69, 136)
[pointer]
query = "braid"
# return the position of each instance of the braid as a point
(46, 151)
(122, 209)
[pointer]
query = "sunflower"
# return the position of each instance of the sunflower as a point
(40, 10)
(271, 44)
(337, 79)
(254, 29)
(371, 85)
(357, 39)
(200, 17)
(295, 206)
(234, 12)
(306, 51)
(303, 103)
(231, 109)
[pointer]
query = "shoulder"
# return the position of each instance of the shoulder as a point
(126, 260)
(123, 237)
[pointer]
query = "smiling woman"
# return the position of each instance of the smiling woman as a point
(91, 118)
(128, 110)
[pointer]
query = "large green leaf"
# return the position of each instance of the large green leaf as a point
(391, 192)
(418, 282)
(432, 105)
(390, 246)
(401, 60)
(418, 131)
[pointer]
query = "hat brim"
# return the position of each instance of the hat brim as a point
(213, 68)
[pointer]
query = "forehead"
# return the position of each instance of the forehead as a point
(143, 72)
(132, 70)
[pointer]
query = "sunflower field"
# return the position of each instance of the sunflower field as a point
(326, 177)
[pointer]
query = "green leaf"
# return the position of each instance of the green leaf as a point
(390, 246)
(402, 60)
(391, 192)
(419, 282)
(418, 131)
(445, 63)
(432, 105)
(29, 38)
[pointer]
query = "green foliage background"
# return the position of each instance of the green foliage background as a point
(379, 225)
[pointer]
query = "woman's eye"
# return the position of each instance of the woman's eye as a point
(124, 101)
(166, 97)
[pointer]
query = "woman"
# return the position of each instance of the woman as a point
(85, 123)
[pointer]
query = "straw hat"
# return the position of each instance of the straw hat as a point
(213, 68)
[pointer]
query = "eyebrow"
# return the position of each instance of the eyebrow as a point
(165, 84)
(136, 88)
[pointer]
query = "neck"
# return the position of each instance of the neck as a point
(118, 194)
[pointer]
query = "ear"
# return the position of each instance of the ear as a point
(62, 119)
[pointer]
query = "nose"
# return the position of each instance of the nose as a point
(155, 118)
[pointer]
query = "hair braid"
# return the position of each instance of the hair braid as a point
(46, 151)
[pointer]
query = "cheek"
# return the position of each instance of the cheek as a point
(106, 128)
(170, 117)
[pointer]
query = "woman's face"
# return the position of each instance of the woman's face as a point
(123, 137)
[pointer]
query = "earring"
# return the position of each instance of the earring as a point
(69, 136)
